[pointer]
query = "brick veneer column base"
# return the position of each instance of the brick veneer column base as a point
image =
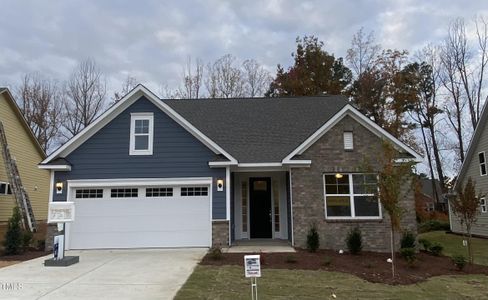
(220, 233)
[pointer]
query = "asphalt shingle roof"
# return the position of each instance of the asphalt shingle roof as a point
(256, 130)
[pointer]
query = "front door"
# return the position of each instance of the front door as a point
(260, 207)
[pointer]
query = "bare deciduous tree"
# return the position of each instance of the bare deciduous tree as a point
(128, 84)
(363, 52)
(224, 78)
(85, 96)
(256, 78)
(192, 80)
(40, 102)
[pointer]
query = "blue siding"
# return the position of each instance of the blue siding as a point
(176, 153)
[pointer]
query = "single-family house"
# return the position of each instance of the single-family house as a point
(475, 167)
(191, 173)
(27, 152)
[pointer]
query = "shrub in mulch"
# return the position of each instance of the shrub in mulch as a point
(370, 266)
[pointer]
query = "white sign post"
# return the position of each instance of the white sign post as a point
(252, 268)
(60, 213)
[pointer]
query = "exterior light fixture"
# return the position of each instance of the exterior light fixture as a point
(338, 175)
(59, 187)
(220, 185)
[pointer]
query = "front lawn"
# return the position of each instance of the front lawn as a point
(228, 282)
(453, 244)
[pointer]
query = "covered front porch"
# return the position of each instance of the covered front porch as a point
(260, 209)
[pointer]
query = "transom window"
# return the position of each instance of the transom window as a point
(351, 196)
(124, 193)
(159, 192)
(481, 157)
(483, 205)
(141, 134)
(88, 193)
(194, 191)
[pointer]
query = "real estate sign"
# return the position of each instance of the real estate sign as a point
(252, 265)
(60, 212)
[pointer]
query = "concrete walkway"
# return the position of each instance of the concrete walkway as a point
(103, 274)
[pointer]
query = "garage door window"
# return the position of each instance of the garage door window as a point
(159, 192)
(194, 191)
(88, 193)
(123, 193)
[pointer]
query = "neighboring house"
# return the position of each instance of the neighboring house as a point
(430, 195)
(185, 173)
(27, 152)
(475, 166)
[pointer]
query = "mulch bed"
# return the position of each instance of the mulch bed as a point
(27, 255)
(370, 266)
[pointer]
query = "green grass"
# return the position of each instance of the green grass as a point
(453, 244)
(228, 282)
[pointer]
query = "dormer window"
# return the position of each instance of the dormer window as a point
(141, 134)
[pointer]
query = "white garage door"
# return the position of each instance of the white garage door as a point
(139, 217)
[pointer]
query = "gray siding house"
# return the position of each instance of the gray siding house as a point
(196, 173)
(475, 166)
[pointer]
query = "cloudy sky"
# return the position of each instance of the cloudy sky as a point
(152, 39)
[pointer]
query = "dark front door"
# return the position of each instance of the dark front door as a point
(260, 207)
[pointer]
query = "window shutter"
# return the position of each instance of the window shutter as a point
(348, 140)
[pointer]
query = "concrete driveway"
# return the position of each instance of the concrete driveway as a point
(103, 274)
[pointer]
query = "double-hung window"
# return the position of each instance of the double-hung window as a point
(483, 205)
(350, 196)
(481, 157)
(141, 134)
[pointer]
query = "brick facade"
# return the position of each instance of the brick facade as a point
(220, 233)
(328, 155)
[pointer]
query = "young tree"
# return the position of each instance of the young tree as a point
(13, 235)
(85, 96)
(466, 207)
(315, 72)
(41, 104)
(393, 182)
(363, 52)
(128, 84)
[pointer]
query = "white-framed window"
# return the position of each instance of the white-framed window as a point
(482, 160)
(141, 133)
(124, 193)
(159, 192)
(351, 196)
(348, 140)
(5, 188)
(483, 205)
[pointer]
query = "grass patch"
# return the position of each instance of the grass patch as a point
(453, 245)
(228, 282)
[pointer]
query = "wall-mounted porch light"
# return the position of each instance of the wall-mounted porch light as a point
(220, 185)
(59, 187)
(338, 175)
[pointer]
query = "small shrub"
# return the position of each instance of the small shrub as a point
(216, 253)
(459, 261)
(436, 249)
(425, 244)
(13, 237)
(41, 245)
(313, 241)
(434, 225)
(354, 241)
(291, 259)
(327, 261)
(27, 237)
(409, 255)
(408, 240)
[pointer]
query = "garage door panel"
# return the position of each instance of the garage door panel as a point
(141, 222)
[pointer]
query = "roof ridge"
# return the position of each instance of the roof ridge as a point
(259, 98)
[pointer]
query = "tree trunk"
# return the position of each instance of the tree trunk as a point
(392, 251)
(437, 157)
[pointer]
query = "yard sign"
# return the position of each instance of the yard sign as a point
(252, 266)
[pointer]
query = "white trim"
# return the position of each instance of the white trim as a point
(258, 165)
(138, 182)
(55, 167)
(51, 185)
(359, 117)
(121, 105)
(298, 162)
(291, 210)
(221, 163)
(227, 202)
(150, 134)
